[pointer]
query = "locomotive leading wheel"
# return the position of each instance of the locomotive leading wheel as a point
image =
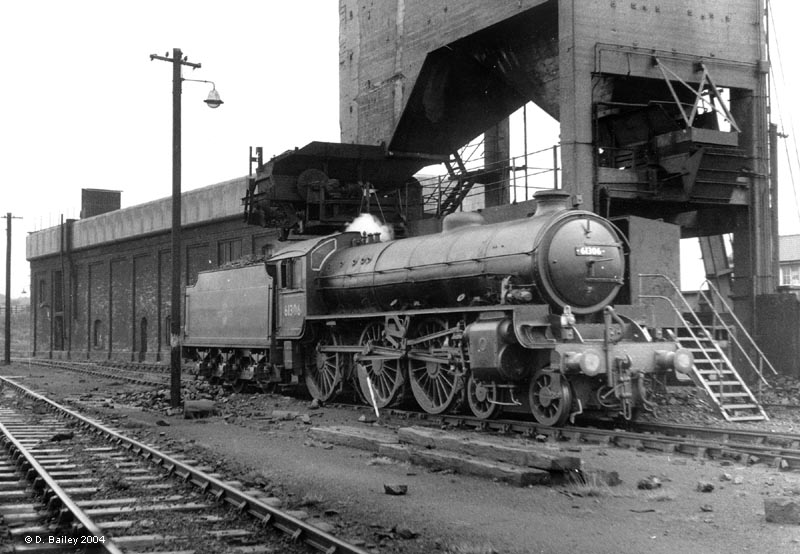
(435, 385)
(325, 369)
(481, 398)
(386, 375)
(550, 398)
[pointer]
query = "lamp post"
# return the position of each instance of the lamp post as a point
(213, 101)
(7, 339)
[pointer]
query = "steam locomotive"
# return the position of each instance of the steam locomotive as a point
(509, 316)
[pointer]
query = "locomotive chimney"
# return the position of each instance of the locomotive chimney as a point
(548, 201)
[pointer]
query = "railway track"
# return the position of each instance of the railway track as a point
(751, 445)
(69, 483)
(152, 377)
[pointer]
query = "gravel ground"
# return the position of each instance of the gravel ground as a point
(343, 487)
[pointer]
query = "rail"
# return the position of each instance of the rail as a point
(89, 526)
(295, 528)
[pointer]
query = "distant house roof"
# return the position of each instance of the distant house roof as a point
(789, 248)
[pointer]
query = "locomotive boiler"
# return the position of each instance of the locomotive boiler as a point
(559, 258)
(507, 316)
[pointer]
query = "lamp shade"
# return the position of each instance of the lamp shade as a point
(213, 100)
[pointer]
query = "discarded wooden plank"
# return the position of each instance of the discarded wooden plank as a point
(469, 465)
(395, 451)
(492, 448)
(387, 444)
(355, 437)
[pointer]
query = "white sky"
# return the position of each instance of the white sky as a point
(82, 105)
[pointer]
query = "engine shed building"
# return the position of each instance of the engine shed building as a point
(100, 286)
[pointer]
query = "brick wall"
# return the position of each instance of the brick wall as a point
(117, 296)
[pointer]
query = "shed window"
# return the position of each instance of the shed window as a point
(97, 335)
(58, 291)
(228, 251)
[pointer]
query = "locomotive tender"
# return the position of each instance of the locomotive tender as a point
(514, 315)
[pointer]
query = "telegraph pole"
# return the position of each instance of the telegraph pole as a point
(177, 60)
(7, 354)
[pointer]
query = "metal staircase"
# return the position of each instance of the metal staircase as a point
(465, 169)
(714, 372)
(711, 336)
(462, 182)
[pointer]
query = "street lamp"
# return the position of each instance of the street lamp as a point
(213, 101)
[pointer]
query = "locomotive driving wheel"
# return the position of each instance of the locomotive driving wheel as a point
(385, 375)
(325, 369)
(550, 398)
(482, 398)
(435, 384)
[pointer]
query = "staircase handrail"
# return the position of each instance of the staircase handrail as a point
(688, 327)
(689, 309)
(740, 327)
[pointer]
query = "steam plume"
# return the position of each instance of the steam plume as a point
(367, 223)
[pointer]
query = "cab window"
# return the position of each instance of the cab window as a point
(290, 274)
(321, 253)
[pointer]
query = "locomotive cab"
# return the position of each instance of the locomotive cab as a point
(296, 268)
(291, 301)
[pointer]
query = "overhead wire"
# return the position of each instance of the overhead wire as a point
(775, 90)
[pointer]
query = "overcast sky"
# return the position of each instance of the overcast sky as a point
(82, 105)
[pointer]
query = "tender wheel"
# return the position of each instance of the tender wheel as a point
(267, 387)
(435, 386)
(386, 375)
(325, 370)
(239, 385)
(481, 398)
(550, 398)
(209, 367)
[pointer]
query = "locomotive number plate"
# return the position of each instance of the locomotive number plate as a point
(589, 251)
(292, 310)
